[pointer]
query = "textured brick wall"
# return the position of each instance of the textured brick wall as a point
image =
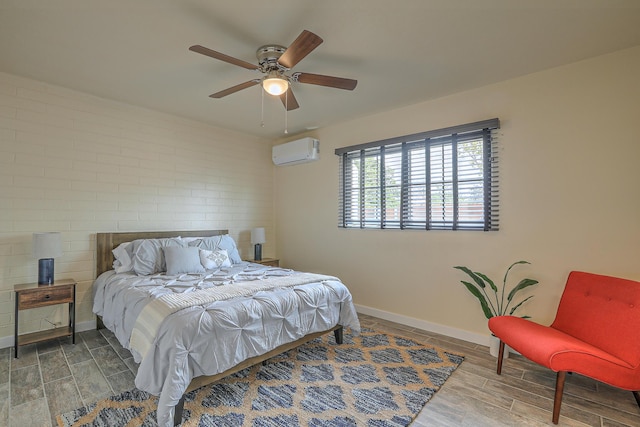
(79, 164)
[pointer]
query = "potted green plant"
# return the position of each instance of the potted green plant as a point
(492, 299)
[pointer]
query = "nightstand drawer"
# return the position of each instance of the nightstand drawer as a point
(41, 297)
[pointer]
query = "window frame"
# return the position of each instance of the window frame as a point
(379, 151)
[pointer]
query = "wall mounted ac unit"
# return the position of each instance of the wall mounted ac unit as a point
(292, 153)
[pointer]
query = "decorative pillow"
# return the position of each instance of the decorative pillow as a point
(123, 255)
(214, 259)
(182, 260)
(148, 257)
(219, 242)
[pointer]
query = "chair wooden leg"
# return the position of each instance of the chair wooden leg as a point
(636, 394)
(557, 401)
(500, 357)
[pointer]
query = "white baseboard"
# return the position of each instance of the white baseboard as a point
(86, 326)
(80, 326)
(423, 324)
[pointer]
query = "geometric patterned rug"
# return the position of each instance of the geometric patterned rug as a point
(373, 380)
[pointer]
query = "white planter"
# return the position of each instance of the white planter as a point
(494, 347)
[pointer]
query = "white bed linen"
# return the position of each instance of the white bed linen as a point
(211, 338)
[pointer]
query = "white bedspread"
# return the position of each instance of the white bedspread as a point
(153, 314)
(230, 325)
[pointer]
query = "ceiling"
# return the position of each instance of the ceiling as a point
(401, 52)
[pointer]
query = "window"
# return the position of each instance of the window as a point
(446, 179)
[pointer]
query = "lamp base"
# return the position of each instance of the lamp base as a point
(45, 271)
(257, 253)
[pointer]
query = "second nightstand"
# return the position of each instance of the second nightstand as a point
(271, 262)
(32, 295)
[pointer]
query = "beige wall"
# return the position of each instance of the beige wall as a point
(78, 164)
(570, 198)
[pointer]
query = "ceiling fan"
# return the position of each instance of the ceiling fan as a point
(275, 62)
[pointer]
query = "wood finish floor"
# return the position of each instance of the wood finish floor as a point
(476, 396)
(56, 377)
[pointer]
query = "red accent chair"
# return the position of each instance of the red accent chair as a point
(596, 333)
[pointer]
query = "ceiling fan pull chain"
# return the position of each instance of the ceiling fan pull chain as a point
(262, 109)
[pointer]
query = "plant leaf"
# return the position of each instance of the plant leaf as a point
(510, 267)
(519, 304)
(489, 281)
(473, 275)
(524, 283)
(483, 302)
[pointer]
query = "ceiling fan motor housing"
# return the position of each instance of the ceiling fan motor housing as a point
(268, 56)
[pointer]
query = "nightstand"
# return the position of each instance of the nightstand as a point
(271, 262)
(32, 295)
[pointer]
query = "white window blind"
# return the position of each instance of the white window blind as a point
(445, 179)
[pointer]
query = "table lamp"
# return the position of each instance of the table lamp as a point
(46, 247)
(257, 238)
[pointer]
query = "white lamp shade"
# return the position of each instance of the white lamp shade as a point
(47, 245)
(275, 85)
(257, 235)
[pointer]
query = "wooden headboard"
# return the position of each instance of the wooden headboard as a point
(106, 242)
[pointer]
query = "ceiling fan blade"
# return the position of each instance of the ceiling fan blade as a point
(222, 57)
(329, 81)
(235, 89)
(289, 100)
(301, 47)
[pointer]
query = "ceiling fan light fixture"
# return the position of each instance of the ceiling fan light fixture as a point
(274, 84)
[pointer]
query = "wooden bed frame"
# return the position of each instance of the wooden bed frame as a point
(106, 242)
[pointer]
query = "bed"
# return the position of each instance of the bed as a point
(188, 326)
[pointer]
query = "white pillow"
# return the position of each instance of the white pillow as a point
(148, 257)
(122, 254)
(223, 241)
(214, 259)
(182, 260)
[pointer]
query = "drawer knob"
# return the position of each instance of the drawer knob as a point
(47, 296)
